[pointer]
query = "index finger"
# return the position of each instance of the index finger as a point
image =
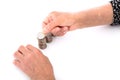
(34, 49)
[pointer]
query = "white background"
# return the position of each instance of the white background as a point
(85, 54)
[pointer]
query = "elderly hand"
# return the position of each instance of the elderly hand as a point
(32, 62)
(59, 23)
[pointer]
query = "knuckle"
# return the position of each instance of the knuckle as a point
(54, 12)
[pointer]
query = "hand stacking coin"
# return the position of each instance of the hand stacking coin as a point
(43, 39)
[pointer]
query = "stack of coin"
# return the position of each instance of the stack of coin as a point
(43, 39)
(49, 37)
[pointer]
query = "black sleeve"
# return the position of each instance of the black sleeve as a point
(116, 12)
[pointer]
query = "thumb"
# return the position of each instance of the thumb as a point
(48, 28)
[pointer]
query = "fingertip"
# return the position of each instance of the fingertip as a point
(65, 28)
(15, 54)
(32, 48)
(29, 47)
(16, 62)
(21, 46)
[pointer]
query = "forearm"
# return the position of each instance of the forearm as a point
(97, 16)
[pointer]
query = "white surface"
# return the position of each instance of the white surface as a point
(86, 54)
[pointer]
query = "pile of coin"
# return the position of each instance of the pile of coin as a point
(43, 39)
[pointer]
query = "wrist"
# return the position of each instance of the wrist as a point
(94, 17)
(81, 20)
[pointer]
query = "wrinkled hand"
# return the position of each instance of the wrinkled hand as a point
(32, 62)
(59, 23)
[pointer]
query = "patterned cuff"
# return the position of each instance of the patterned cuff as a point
(116, 12)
